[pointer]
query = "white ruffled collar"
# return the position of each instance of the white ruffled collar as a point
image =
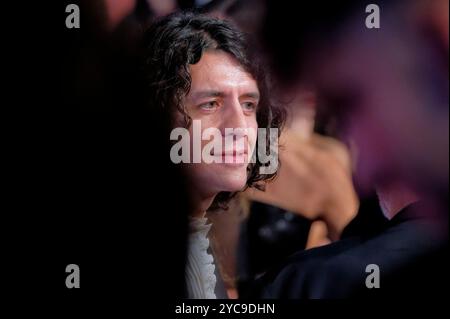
(200, 269)
(199, 225)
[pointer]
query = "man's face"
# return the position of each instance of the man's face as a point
(222, 96)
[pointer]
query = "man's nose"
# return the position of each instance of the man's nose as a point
(233, 116)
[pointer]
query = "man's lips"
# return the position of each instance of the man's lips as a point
(232, 157)
(232, 153)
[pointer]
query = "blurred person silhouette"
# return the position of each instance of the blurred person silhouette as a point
(387, 91)
(313, 196)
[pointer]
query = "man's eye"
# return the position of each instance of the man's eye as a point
(209, 105)
(249, 106)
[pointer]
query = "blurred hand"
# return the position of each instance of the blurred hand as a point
(314, 181)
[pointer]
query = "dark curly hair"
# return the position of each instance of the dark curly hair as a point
(178, 41)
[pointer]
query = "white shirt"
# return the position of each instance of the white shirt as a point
(200, 269)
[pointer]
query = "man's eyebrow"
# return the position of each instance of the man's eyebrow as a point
(212, 93)
(252, 95)
(203, 94)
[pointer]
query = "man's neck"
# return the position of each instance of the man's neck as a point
(394, 197)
